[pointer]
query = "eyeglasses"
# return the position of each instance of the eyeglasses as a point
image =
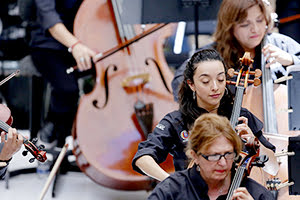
(217, 157)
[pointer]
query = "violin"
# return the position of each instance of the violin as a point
(5, 121)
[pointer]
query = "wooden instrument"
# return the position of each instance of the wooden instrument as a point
(5, 121)
(130, 96)
(271, 108)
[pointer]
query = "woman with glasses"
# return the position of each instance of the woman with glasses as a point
(213, 145)
(202, 91)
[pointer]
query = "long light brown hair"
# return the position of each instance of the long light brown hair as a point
(231, 13)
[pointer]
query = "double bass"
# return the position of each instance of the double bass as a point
(131, 94)
(272, 109)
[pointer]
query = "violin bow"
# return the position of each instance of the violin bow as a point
(9, 77)
(54, 170)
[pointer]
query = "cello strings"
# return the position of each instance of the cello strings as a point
(236, 181)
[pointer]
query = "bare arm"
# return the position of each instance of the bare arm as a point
(80, 51)
(148, 165)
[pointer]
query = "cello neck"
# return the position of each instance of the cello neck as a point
(270, 121)
(237, 179)
(237, 106)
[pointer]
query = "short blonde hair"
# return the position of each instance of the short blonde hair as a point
(207, 128)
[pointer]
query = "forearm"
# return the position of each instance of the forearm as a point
(148, 165)
(61, 34)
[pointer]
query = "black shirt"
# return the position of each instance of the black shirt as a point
(171, 133)
(188, 184)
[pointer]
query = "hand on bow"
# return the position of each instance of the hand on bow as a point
(241, 194)
(274, 54)
(243, 129)
(83, 56)
(12, 144)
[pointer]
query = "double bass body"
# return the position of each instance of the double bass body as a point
(276, 167)
(106, 134)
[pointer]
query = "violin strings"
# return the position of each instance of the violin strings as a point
(4, 126)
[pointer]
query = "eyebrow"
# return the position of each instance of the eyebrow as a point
(246, 20)
(208, 75)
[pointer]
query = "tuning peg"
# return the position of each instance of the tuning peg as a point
(260, 161)
(34, 140)
(24, 153)
(41, 147)
(230, 82)
(230, 72)
(257, 73)
(256, 81)
(31, 160)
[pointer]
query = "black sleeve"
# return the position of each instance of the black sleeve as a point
(253, 122)
(256, 126)
(46, 13)
(3, 172)
(257, 191)
(158, 144)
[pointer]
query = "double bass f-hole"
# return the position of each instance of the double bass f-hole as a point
(136, 98)
(95, 102)
(160, 73)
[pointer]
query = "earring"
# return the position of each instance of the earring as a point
(198, 168)
(267, 27)
(226, 91)
(194, 95)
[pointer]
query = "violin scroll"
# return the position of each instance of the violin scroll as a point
(37, 152)
(245, 72)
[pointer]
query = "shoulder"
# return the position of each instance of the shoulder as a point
(277, 38)
(173, 119)
(175, 115)
(174, 187)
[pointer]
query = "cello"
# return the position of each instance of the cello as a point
(130, 96)
(271, 108)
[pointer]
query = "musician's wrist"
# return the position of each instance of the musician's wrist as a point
(70, 49)
(7, 161)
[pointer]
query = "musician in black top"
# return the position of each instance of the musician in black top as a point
(213, 145)
(202, 91)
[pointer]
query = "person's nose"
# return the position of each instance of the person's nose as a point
(253, 27)
(215, 85)
(222, 161)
